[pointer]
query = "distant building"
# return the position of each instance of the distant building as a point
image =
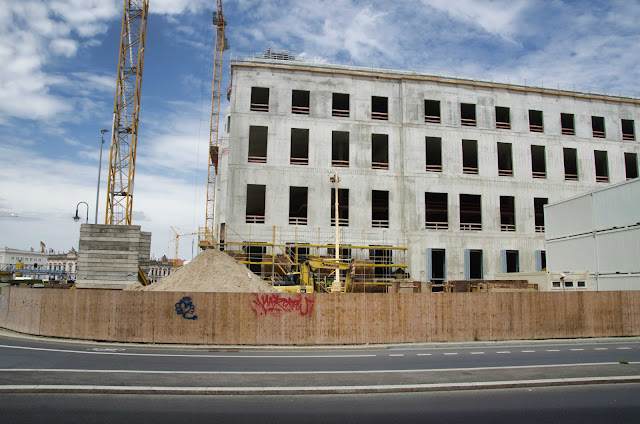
(159, 269)
(10, 257)
(67, 262)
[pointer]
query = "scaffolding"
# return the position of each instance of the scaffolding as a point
(271, 253)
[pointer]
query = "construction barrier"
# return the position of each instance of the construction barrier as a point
(316, 319)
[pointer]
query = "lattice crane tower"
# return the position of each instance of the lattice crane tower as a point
(209, 238)
(126, 110)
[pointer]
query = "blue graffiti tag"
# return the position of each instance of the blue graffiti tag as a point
(185, 307)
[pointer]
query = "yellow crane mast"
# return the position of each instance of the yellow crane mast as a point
(176, 239)
(208, 238)
(124, 132)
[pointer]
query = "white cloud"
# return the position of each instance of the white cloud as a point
(64, 47)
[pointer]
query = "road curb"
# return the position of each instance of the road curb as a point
(435, 387)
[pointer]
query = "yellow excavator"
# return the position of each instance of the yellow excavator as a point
(316, 275)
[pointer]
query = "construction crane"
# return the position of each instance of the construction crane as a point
(176, 238)
(207, 236)
(126, 110)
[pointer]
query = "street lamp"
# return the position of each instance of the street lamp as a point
(77, 217)
(102, 132)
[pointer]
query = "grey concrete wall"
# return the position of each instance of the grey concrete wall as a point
(406, 179)
(109, 255)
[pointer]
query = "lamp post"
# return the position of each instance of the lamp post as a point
(99, 169)
(77, 217)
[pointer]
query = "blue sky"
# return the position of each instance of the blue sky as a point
(59, 57)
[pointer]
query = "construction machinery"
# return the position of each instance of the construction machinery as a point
(208, 237)
(317, 275)
(126, 111)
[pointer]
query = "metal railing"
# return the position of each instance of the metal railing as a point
(380, 223)
(598, 134)
(299, 161)
(630, 137)
(255, 219)
(467, 122)
(568, 131)
(602, 179)
(300, 110)
(539, 228)
(342, 222)
(469, 170)
(257, 159)
(470, 226)
(340, 163)
(503, 125)
(433, 168)
(539, 174)
(380, 165)
(432, 225)
(571, 177)
(509, 228)
(382, 116)
(433, 119)
(297, 220)
(536, 128)
(505, 172)
(340, 112)
(259, 107)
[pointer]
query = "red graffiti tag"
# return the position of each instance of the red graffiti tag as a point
(265, 304)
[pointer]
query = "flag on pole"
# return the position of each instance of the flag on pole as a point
(42, 246)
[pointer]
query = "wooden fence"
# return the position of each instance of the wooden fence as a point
(316, 319)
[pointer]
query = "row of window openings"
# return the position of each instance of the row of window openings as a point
(436, 209)
(380, 155)
(380, 111)
(473, 263)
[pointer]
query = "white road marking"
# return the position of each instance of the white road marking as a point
(424, 354)
(527, 351)
(171, 355)
(476, 353)
(421, 370)
(553, 350)
(450, 353)
(505, 351)
(575, 350)
(624, 348)
(601, 348)
(396, 354)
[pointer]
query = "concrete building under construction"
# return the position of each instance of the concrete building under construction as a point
(443, 178)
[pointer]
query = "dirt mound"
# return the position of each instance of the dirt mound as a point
(211, 271)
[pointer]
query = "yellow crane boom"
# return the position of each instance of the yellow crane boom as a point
(208, 238)
(124, 131)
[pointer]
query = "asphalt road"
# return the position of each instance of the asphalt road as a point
(617, 403)
(37, 365)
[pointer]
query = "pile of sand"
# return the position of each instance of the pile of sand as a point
(211, 271)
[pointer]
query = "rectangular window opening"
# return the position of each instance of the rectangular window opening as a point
(582, 284)
(434, 154)
(343, 207)
(602, 166)
(379, 209)
(512, 261)
(503, 118)
(597, 126)
(381, 258)
(254, 254)
(476, 269)
(538, 162)
(259, 99)
(436, 211)
(255, 203)
(628, 131)
(470, 212)
(505, 161)
(535, 121)
(340, 105)
(570, 164)
(538, 212)
(468, 114)
(631, 165)
(379, 108)
(437, 266)
(298, 205)
(379, 151)
(300, 102)
(568, 124)
(340, 149)
(299, 146)
(432, 111)
(257, 144)
(469, 156)
(507, 214)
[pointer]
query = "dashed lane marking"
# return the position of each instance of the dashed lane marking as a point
(553, 350)
(624, 348)
(477, 353)
(424, 354)
(576, 350)
(450, 353)
(396, 354)
(504, 351)
(601, 348)
(527, 351)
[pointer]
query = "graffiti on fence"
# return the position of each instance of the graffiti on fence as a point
(186, 308)
(276, 304)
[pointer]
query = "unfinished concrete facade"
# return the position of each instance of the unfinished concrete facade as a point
(459, 170)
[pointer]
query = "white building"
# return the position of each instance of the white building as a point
(10, 257)
(65, 264)
(455, 170)
(597, 232)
